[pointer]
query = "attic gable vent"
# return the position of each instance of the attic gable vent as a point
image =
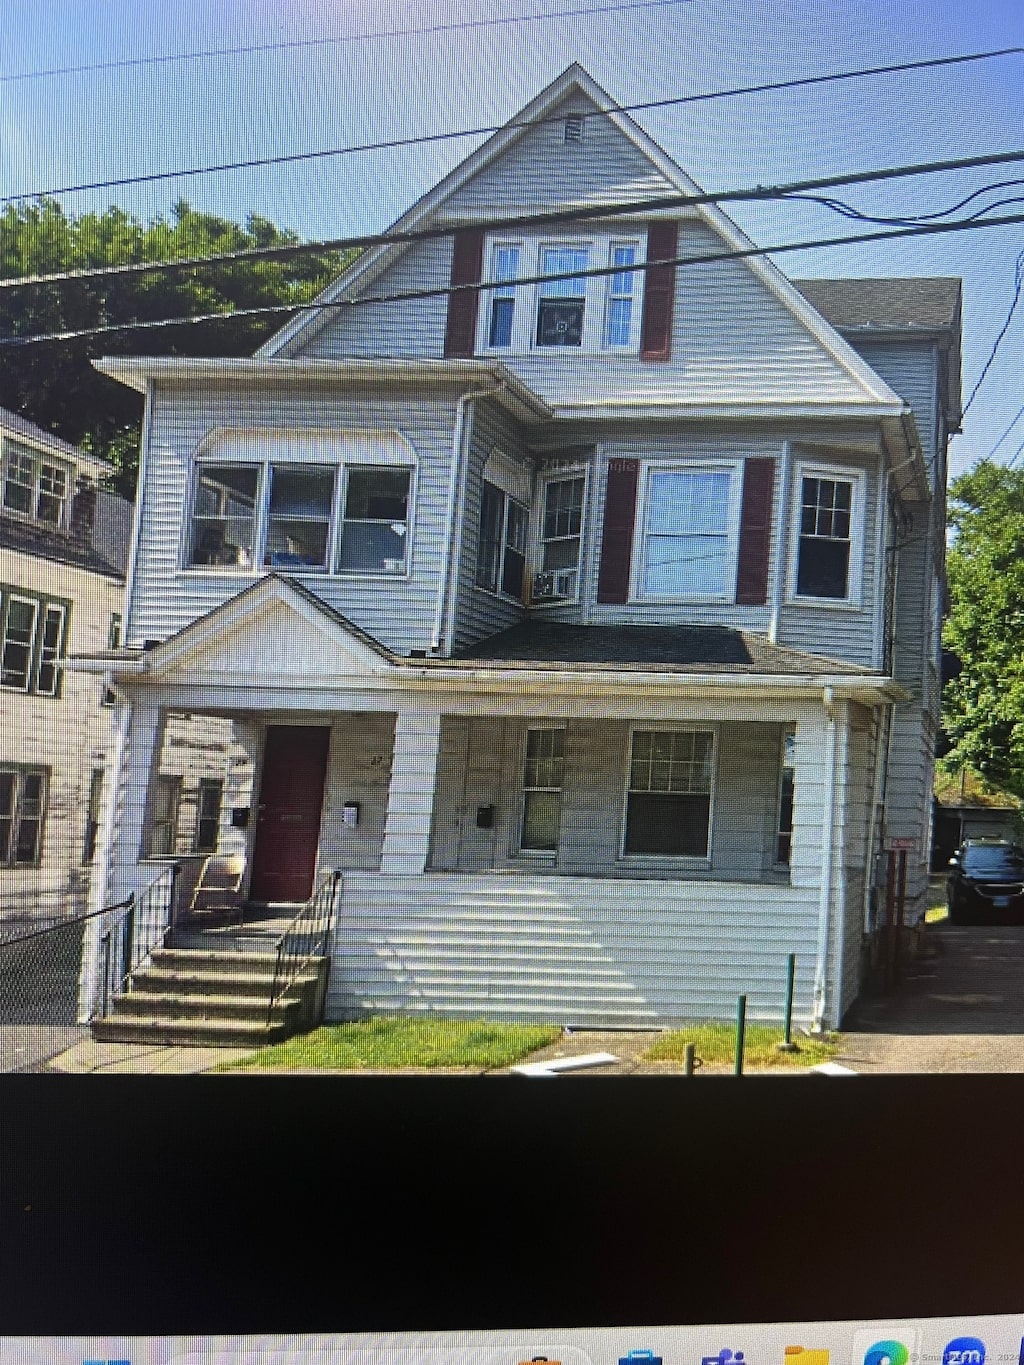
(573, 128)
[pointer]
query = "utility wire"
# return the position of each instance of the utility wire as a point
(411, 295)
(1018, 286)
(849, 211)
(647, 205)
(1013, 423)
(424, 138)
(293, 44)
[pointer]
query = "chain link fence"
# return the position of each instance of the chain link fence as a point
(40, 969)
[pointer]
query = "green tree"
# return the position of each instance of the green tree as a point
(983, 713)
(54, 383)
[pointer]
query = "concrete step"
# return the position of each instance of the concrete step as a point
(194, 959)
(184, 1033)
(181, 981)
(146, 1005)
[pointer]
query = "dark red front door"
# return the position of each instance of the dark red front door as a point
(288, 815)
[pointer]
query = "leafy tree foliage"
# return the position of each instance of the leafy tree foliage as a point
(984, 705)
(54, 383)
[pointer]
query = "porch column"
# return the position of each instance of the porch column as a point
(411, 793)
(135, 754)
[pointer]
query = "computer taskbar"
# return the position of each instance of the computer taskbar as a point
(991, 1340)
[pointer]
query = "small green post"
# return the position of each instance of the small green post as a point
(741, 1030)
(787, 1044)
(688, 1056)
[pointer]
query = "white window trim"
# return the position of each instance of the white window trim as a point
(544, 477)
(596, 293)
(40, 458)
(544, 855)
(682, 860)
(804, 469)
(261, 516)
(732, 466)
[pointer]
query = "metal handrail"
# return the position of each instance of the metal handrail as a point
(305, 938)
(139, 927)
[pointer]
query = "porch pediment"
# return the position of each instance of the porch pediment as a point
(274, 633)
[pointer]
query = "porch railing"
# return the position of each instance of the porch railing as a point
(306, 938)
(137, 927)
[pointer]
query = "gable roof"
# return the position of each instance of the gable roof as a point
(919, 304)
(11, 424)
(576, 80)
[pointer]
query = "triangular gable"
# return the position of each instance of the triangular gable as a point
(468, 193)
(274, 632)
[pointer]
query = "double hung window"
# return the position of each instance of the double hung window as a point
(299, 516)
(34, 485)
(618, 327)
(501, 550)
(542, 790)
(224, 515)
(668, 802)
(784, 836)
(23, 793)
(211, 794)
(505, 266)
(689, 533)
(375, 530)
(32, 642)
(825, 543)
(163, 825)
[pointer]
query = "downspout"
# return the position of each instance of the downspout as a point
(828, 841)
(782, 549)
(460, 443)
(881, 526)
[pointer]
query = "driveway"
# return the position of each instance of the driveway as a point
(959, 1010)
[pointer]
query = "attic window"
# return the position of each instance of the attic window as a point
(573, 131)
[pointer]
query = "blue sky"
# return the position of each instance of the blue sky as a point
(72, 128)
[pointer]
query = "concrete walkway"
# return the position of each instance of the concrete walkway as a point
(141, 1059)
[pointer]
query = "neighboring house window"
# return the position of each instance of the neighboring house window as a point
(689, 533)
(562, 302)
(92, 817)
(23, 793)
(299, 516)
(824, 550)
(224, 516)
(113, 642)
(542, 790)
(668, 803)
(283, 516)
(618, 330)
(560, 538)
(33, 485)
(375, 530)
(33, 633)
(501, 553)
(211, 793)
(164, 823)
(505, 258)
(784, 833)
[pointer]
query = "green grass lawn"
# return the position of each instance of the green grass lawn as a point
(375, 1044)
(936, 914)
(716, 1044)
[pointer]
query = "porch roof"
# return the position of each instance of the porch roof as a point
(693, 649)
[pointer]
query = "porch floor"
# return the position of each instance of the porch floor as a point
(259, 931)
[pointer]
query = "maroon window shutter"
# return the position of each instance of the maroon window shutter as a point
(659, 292)
(755, 532)
(467, 265)
(617, 541)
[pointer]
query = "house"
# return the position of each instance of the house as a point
(62, 562)
(588, 622)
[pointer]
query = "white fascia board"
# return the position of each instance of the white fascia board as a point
(135, 372)
(49, 444)
(761, 411)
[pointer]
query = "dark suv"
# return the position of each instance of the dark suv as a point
(986, 882)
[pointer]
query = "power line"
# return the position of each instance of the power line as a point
(849, 211)
(411, 295)
(201, 54)
(1018, 285)
(1013, 423)
(393, 236)
(421, 139)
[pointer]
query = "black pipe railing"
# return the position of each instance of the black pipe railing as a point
(306, 938)
(137, 927)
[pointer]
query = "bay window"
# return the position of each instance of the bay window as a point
(501, 549)
(668, 801)
(689, 533)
